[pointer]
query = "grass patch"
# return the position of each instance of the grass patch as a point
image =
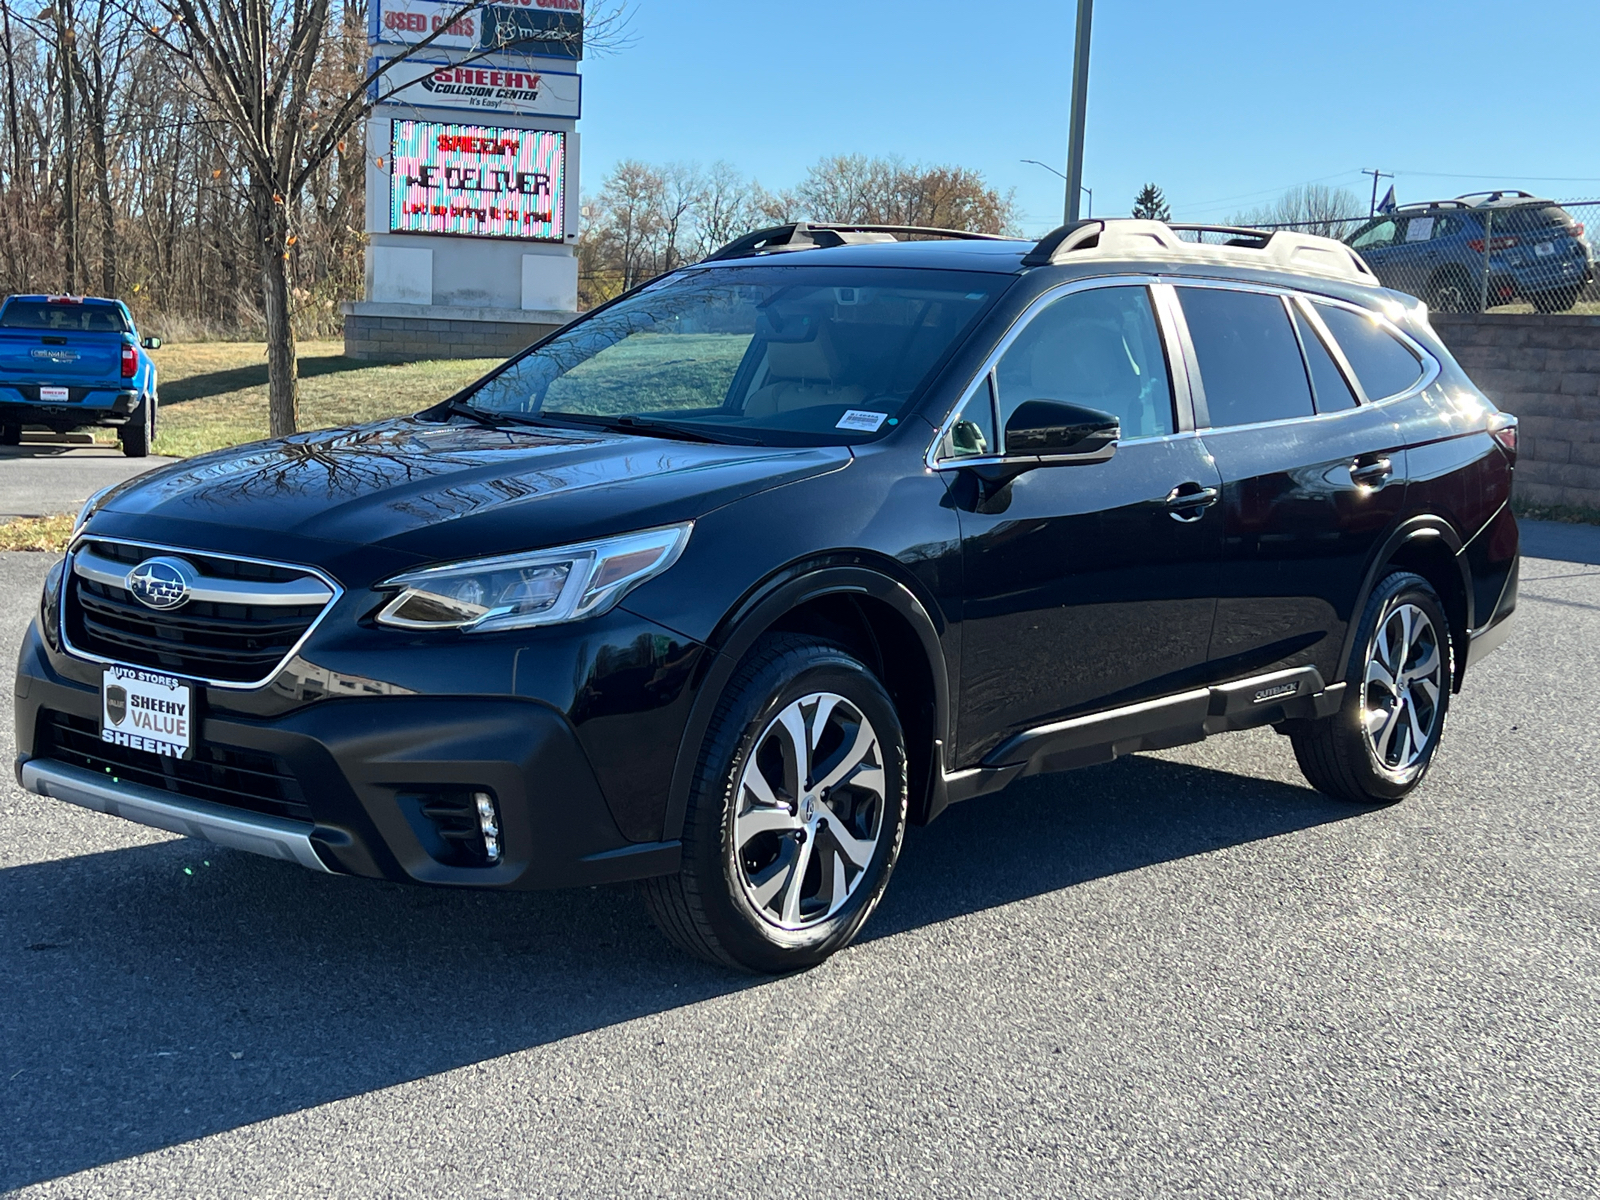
(1567, 514)
(45, 534)
(214, 394)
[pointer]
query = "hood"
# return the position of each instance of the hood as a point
(450, 491)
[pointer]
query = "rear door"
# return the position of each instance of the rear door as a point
(1311, 475)
(1087, 586)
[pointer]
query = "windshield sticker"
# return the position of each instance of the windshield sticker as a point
(864, 422)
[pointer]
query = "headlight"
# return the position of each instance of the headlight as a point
(90, 507)
(545, 587)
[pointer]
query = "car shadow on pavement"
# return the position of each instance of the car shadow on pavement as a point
(154, 995)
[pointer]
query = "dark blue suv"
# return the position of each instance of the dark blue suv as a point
(1437, 251)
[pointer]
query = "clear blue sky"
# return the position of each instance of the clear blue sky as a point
(1223, 103)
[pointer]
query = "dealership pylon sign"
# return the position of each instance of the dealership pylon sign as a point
(483, 87)
(472, 177)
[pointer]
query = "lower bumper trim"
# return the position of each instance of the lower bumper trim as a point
(255, 833)
(1486, 641)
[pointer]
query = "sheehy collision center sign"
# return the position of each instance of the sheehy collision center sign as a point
(548, 28)
(522, 90)
(477, 180)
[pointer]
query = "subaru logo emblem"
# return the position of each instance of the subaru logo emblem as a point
(161, 583)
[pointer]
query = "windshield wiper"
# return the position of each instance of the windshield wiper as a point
(483, 416)
(645, 427)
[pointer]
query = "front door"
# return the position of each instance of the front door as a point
(1086, 586)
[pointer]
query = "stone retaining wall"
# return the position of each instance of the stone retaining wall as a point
(408, 339)
(1546, 370)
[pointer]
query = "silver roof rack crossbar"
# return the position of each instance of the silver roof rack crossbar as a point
(1282, 249)
(816, 235)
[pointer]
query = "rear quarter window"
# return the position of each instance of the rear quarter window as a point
(1382, 362)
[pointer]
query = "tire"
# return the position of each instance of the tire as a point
(768, 882)
(139, 432)
(1556, 300)
(1369, 751)
(10, 435)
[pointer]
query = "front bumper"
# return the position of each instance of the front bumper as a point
(361, 769)
(258, 833)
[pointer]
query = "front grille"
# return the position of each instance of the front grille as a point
(230, 775)
(206, 639)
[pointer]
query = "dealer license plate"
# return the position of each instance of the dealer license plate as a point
(146, 711)
(53, 393)
(1545, 249)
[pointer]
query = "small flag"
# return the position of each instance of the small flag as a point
(1387, 204)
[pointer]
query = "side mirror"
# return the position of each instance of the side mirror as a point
(1045, 433)
(1051, 430)
(150, 343)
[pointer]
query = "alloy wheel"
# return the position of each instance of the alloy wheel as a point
(1404, 680)
(809, 811)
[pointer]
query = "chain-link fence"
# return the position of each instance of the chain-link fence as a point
(1493, 252)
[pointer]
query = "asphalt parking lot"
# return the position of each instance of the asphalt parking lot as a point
(1181, 974)
(40, 478)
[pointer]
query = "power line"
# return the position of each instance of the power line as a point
(1505, 175)
(1267, 191)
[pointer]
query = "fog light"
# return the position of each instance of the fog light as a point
(489, 825)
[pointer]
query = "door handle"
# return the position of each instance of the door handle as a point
(1373, 474)
(1188, 501)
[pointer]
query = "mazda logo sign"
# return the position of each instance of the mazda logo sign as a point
(161, 583)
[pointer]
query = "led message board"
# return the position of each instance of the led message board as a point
(477, 180)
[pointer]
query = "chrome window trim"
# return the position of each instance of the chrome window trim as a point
(336, 593)
(1335, 351)
(1024, 319)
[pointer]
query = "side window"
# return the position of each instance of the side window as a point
(1100, 349)
(1249, 357)
(1375, 237)
(1380, 360)
(1333, 391)
(972, 433)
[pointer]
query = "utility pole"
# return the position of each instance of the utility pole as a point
(1080, 100)
(1376, 175)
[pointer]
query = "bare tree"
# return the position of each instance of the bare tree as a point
(264, 67)
(889, 191)
(1312, 208)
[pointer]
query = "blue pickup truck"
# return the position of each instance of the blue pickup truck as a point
(67, 362)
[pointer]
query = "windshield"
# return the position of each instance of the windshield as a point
(781, 355)
(63, 315)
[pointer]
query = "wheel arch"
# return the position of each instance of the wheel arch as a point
(870, 608)
(1431, 547)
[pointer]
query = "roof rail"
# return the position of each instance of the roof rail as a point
(816, 235)
(1283, 249)
(1499, 194)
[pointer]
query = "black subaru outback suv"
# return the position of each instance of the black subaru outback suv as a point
(724, 583)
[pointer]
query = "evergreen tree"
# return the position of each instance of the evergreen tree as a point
(1151, 205)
